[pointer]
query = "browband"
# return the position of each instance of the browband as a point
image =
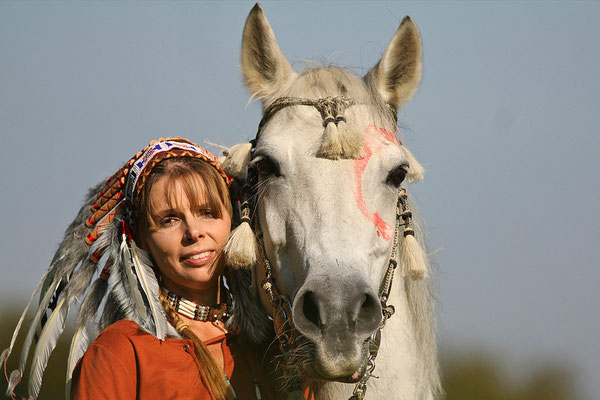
(331, 108)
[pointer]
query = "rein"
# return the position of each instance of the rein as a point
(332, 109)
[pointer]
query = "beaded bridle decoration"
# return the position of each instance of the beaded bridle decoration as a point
(332, 110)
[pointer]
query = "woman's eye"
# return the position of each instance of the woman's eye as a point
(207, 213)
(265, 167)
(396, 177)
(167, 221)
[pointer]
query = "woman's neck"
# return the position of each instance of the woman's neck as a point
(204, 296)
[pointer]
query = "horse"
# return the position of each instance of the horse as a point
(327, 202)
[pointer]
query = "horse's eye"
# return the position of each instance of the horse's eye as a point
(265, 167)
(396, 177)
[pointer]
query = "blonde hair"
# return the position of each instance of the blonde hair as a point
(213, 376)
(202, 185)
(204, 188)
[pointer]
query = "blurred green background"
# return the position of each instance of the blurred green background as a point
(468, 374)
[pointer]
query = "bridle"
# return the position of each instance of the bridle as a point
(332, 109)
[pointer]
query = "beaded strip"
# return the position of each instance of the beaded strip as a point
(331, 109)
(195, 311)
(111, 199)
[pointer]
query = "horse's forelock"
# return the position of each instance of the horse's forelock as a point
(343, 140)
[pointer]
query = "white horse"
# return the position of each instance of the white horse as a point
(327, 207)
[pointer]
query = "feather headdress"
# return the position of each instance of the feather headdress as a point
(99, 243)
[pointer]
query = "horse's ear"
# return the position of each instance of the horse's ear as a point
(264, 67)
(397, 75)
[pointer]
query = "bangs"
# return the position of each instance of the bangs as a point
(192, 191)
(190, 181)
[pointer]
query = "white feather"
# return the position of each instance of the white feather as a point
(149, 284)
(18, 327)
(128, 264)
(13, 381)
(83, 335)
(34, 323)
(78, 283)
(79, 344)
(46, 344)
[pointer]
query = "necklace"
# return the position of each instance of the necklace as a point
(196, 311)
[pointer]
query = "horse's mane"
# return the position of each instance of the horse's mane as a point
(422, 298)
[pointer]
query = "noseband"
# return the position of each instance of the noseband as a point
(332, 109)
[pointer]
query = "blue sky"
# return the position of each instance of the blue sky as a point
(505, 120)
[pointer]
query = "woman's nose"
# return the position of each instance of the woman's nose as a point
(194, 229)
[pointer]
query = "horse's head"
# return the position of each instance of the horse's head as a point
(329, 175)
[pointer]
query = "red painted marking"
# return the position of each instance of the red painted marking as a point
(387, 135)
(373, 144)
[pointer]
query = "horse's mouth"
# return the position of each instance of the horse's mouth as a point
(352, 373)
(313, 374)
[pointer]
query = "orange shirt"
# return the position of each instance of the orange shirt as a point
(125, 362)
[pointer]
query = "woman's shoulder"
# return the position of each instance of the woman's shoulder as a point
(123, 327)
(121, 333)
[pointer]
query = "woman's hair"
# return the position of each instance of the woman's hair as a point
(213, 376)
(202, 185)
(204, 188)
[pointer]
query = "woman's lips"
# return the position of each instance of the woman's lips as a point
(198, 259)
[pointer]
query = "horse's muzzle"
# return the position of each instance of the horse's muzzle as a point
(337, 319)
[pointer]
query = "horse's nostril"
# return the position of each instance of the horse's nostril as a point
(369, 313)
(344, 313)
(311, 309)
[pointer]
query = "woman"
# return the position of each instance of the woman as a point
(158, 227)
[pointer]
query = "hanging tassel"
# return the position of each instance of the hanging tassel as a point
(416, 172)
(412, 257)
(340, 142)
(235, 161)
(331, 146)
(240, 250)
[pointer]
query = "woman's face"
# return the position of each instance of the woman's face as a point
(186, 245)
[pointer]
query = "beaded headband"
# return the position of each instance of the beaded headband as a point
(125, 185)
(159, 151)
